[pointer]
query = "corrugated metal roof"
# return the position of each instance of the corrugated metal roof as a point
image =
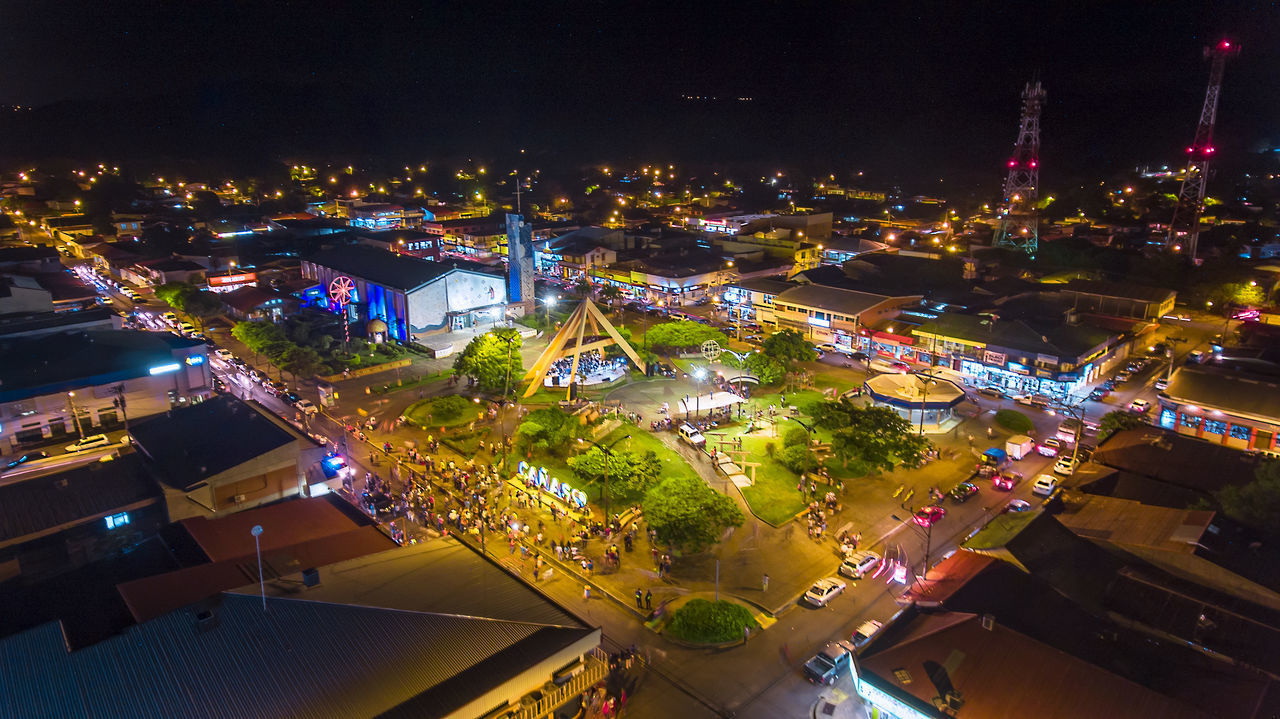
(441, 576)
(298, 659)
(89, 490)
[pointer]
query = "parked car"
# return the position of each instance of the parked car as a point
(1050, 447)
(186, 327)
(962, 492)
(865, 632)
(223, 354)
(91, 442)
(28, 457)
(690, 434)
(826, 665)
(856, 565)
(275, 388)
(1122, 377)
(292, 398)
(169, 317)
(306, 407)
(1044, 485)
(1162, 383)
(1139, 406)
(824, 590)
(1099, 394)
(992, 392)
(929, 515)
(1017, 505)
(1066, 465)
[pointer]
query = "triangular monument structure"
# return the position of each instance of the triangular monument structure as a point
(568, 342)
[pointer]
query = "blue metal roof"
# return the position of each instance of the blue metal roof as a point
(299, 659)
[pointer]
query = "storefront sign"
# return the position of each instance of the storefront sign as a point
(887, 702)
(220, 280)
(540, 478)
(995, 358)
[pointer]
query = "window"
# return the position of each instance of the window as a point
(1212, 426)
(1190, 421)
(1240, 431)
(115, 521)
(1167, 418)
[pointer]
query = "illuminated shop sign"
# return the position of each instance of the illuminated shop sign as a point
(222, 280)
(889, 703)
(165, 368)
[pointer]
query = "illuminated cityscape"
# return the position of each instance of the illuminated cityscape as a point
(708, 361)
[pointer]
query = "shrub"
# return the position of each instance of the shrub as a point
(796, 458)
(1014, 421)
(795, 436)
(700, 620)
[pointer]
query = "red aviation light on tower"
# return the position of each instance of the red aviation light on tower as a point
(1034, 163)
(1013, 163)
(1224, 45)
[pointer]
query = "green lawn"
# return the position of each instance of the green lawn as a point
(773, 496)
(420, 414)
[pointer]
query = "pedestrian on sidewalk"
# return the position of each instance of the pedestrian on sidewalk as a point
(765, 583)
(648, 599)
(639, 599)
(586, 591)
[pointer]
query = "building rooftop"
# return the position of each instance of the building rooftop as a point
(27, 253)
(765, 285)
(88, 492)
(295, 659)
(1123, 290)
(249, 298)
(1062, 340)
(444, 577)
(1126, 522)
(830, 298)
(1000, 672)
(32, 366)
(1184, 462)
(400, 272)
(172, 264)
(179, 447)
(1220, 388)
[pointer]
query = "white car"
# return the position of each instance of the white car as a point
(856, 565)
(306, 407)
(1065, 465)
(823, 591)
(1044, 485)
(865, 632)
(223, 354)
(1139, 406)
(91, 442)
(186, 327)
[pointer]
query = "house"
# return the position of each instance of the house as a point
(254, 303)
(257, 459)
(54, 386)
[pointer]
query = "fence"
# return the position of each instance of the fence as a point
(595, 668)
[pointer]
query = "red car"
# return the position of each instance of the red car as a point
(1005, 480)
(928, 516)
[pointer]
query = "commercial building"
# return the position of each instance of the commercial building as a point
(410, 296)
(1119, 300)
(254, 303)
(414, 243)
(834, 316)
(58, 386)
(752, 301)
(1223, 406)
(581, 253)
(1052, 360)
(257, 458)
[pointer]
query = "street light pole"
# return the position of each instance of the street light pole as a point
(262, 586)
(75, 417)
(506, 391)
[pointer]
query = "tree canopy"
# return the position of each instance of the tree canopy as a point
(765, 368)
(485, 359)
(789, 347)
(1118, 420)
(550, 430)
(1256, 504)
(686, 513)
(631, 474)
(877, 436)
(683, 333)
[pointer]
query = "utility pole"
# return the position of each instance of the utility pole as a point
(607, 451)
(1019, 226)
(1186, 216)
(75, 417)
(121, 404)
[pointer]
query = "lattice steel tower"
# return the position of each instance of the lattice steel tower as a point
(1019, 226)
(1186, 216)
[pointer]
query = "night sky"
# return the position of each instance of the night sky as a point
(913, 90)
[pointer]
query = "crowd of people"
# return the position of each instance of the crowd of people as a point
(592, 367)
